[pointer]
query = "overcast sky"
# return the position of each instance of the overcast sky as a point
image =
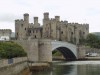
(81, 11)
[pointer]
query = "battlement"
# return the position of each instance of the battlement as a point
(86, 24)
(35, 17)
(53, 19)
(21, 20)
(57, 18)
(16, 20)
(65, 22)
(35, 20)
(26, 14)
(26, 17)
(6, 30)
(46, 15)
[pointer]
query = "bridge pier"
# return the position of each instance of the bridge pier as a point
(45, 53)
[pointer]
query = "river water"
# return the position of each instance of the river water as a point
(73, 68)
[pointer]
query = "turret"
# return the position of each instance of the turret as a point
(65, 22)
(26, 17)
(46, 15)
(57, 18)
(35, 20)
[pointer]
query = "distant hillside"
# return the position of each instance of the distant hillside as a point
(97, 34)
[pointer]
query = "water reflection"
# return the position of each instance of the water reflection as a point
(83, 69)
(88, 69)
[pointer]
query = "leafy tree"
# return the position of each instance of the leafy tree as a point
(11, 50)
(93, 41)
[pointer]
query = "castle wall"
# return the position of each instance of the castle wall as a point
(63, 32)
(36, 33)
(53, 29)
(5, 34)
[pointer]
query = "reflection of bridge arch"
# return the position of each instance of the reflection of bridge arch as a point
(68, 50)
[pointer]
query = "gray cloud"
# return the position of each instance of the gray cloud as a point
(72, 10)
(8, 17)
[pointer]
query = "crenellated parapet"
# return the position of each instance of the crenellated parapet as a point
(6, 30)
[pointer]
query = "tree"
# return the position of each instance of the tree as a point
(11, 50)
(93, 41)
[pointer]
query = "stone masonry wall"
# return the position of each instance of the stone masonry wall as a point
(31, 47)
(45, 53)
(14, 68)
(81, 52)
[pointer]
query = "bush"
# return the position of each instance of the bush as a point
(11, 50)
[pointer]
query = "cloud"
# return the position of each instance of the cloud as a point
(7, 25)
(72, 10)
(8, 17)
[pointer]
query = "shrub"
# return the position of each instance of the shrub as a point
(11, 50)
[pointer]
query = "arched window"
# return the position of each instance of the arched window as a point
(35, 36)
(25, 28)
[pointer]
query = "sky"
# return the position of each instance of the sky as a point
(80, 11)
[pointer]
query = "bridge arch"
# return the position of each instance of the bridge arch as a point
(68, 50)
(67, 53)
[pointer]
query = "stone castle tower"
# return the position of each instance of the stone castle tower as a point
(52, 28)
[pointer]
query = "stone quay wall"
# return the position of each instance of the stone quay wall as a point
(14, 67)
(83, 50)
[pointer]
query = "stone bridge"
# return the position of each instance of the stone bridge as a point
(41, 49)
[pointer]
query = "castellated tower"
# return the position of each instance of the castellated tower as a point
(21, 27)
(35, 20)
(16, 29)
(46, 15)
(36, 24)
(53, 29)
(57, 18)
(26, 18)
(46, 26)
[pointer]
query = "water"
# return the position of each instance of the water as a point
(73, 68)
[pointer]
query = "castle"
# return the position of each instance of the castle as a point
(5, 34)
(52, 28)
